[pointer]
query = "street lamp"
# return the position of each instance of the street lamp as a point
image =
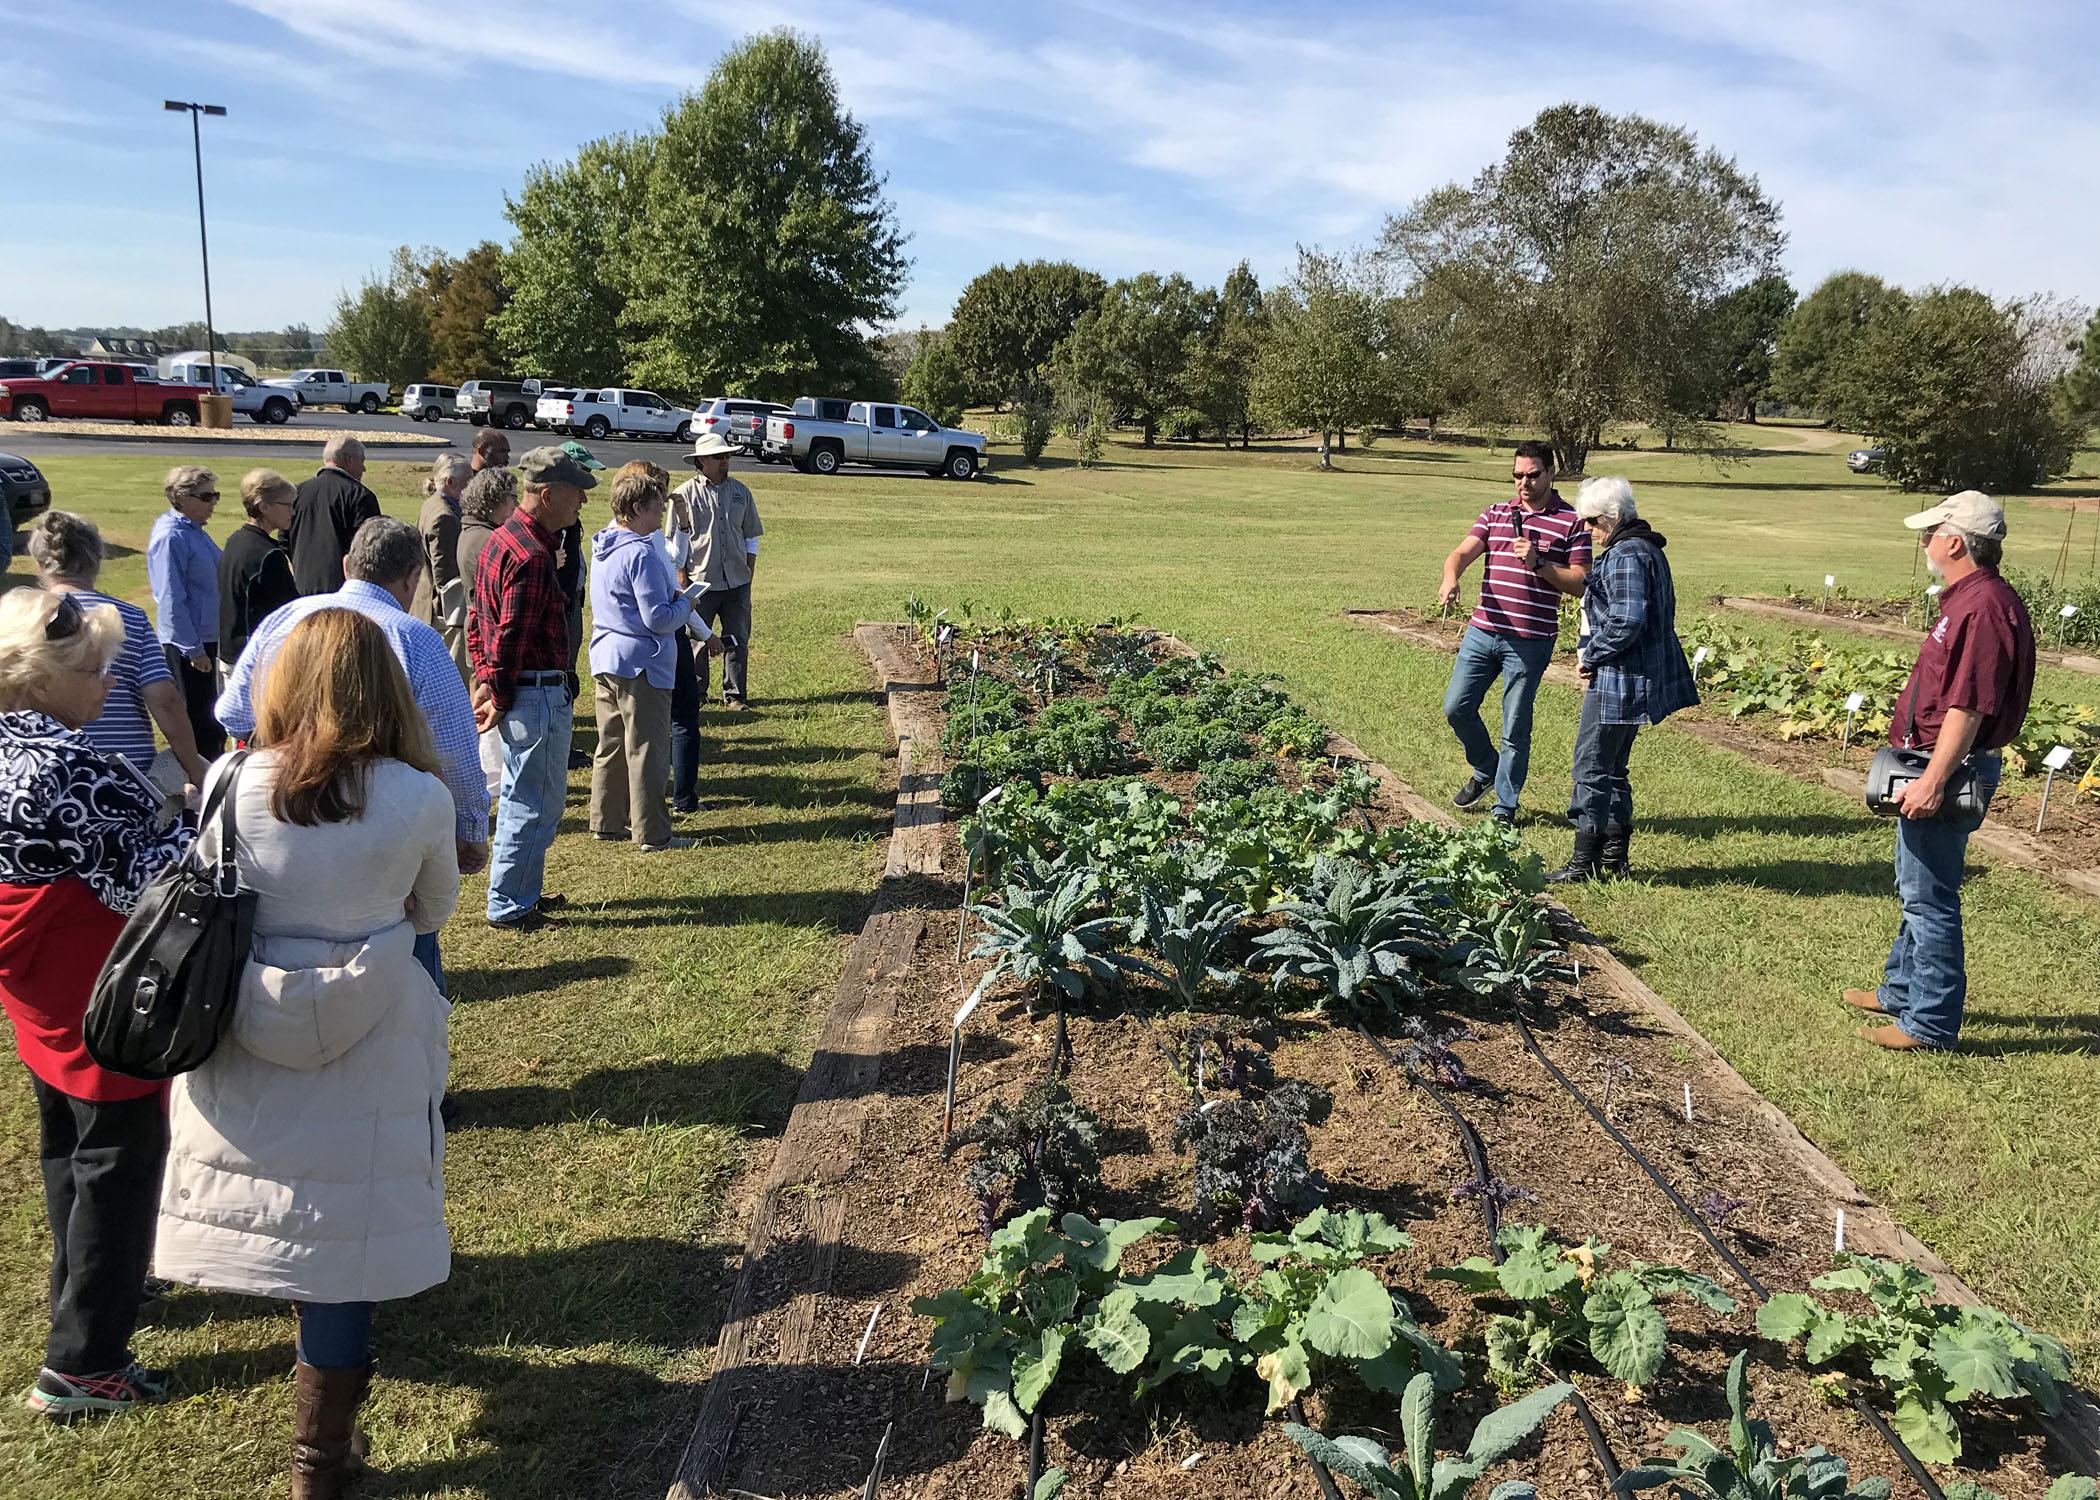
(211, 338)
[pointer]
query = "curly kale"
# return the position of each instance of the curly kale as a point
(1251, 1154)
(1045, 1152)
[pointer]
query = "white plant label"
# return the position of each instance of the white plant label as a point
(1699, 657)
(2068, 610)
(2058, 758)
(1688, 1104)
(1840, 1242)
(973, 661)
(969, 1006)
(1830, 580)
(990, 797)
(1854, 703)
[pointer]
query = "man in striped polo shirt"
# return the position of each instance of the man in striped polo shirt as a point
(1536, 551)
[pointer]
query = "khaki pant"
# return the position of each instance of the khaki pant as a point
(633, 764)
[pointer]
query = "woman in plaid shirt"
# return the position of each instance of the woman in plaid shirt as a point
(1633, 667)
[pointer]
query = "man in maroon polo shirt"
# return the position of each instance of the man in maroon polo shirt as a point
(1965, 701)
(1536, 551)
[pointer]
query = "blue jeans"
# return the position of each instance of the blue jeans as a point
(426, 951)
(535, 741)
(685, 728)
(1603, 797)
(335, 1335)
(1482, 656)
(1925, 984)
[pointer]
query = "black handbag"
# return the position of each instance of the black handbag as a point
(1892, 769)
(166, 992)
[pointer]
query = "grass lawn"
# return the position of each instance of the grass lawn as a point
(619, 1077)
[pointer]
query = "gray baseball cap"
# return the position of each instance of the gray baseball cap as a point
(552, 466)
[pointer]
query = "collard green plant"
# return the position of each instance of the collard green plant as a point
(1568, 1300)
(1356, 940)
(1042, 1293)
(1045, 1152)
(1925, 1355)
(1750, 1467)
(1422, 1475)
(1253, 1154)
(1314, 1301)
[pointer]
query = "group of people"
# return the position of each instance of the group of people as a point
(1965, 701)
(383, 683)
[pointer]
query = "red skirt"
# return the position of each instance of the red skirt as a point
(53, 939)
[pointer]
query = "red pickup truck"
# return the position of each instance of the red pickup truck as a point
(99, 390)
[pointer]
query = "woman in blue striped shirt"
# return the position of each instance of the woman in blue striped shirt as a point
(182, 565)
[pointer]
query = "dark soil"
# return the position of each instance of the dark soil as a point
(911, 1230)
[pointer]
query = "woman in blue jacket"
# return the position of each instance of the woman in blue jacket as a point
(1633, 670)
(636, 614)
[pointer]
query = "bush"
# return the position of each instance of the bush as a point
(1032, 419)
(1184, 423)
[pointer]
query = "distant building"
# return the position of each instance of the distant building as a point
(169, 363)
(110, 347)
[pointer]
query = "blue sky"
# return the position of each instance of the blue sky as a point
(1925, 140)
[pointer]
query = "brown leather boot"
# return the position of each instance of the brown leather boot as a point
(324, 1430)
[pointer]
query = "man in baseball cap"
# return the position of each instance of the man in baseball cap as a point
(1965, 701)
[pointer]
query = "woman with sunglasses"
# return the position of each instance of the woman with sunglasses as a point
(255, 570)
(79, 838)
(182, 565)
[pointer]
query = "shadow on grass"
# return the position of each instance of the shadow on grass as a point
(752, 1092)
(514, 980)
(1795, 825)
(844, 911)
(785, 831)
(1801, 877)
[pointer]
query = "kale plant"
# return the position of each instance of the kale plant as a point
(1186, 743)
(1234, 778)
(1926, 1355)
(1424, 1476)
(1045, 938)
(991, 760)
(1241, 699)
(1189, 939)
(997, 708)
(1507, 955)
(1075, 738)
(1750, 1467)
(1568, 1300)
(1429, 1053)
(1224, 1053)
(1045, 1152)
(1292, 731)
(1314, 1300)
(1356, 940)
(1251, 1154)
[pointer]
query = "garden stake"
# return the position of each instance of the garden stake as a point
(867, 1333)
(1852, 707)
(1839, 1246)
(955, 1059)
(882, 1455)
(1687, 1104)
(2053, 762)
(1829, 583)
(1698, 659)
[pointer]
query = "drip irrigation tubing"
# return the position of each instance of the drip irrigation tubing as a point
(1327, 1485)
(1697, 1220)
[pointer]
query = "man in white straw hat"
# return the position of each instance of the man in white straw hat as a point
(719, 521)
(1965, 701)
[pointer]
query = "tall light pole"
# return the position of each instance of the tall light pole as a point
(211, 337)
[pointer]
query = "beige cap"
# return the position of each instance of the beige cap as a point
(553, 466)
(1972, 511)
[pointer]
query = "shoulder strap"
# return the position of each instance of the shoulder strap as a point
(219, 787)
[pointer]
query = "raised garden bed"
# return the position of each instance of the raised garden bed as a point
(1806, 740)
(1890, 619)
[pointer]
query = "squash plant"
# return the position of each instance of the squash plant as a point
(1424, 1476)
(1568, 1300)
(1925, 1355)
(1750, 1467)
(1356, 940)
(1314, 1301)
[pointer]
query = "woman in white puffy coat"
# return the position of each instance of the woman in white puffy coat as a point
(304, 1157)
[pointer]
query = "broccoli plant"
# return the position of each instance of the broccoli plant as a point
(1424, 1476)
(1314, 1300)
(1924, 1354)
(1251, 1154)
(1750, 1467)
(1568, 1300)
(1045, 1152)
(1045, 939)
(1356, 941)
(1188, 939)
(1507, 955)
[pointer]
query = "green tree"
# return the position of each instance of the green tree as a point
(2080, 394)
(767, 246)
(1962, 392)
(1322, 364)
(1434, 370)
(1132, 350)
(574, 225)
(1009, 321)
(382, 333)
(1820, 332)
(1220, 375)
(935, 383)
(19, 339)
(1744, 332)
(1585, 262)
(463, 323)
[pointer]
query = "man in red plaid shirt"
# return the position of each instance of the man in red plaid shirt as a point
(518, 642)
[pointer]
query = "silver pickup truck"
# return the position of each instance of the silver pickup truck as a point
(823, 434)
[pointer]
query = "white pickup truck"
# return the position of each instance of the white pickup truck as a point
(257, 400)
(817, 438)
(596, 413)
(333, 388)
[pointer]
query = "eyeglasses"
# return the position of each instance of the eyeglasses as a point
(1533, 476)
(65, 621)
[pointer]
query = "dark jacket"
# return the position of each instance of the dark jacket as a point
(331, 507)
(255, 577)
(1629, 611)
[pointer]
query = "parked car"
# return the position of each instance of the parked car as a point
(427, 403)
(334, 388)
(27, 492)
(551, 411)
(251, 398)
(102, 390)
(741, 420)
(500, 403)
(619, 409)
(1865, 460)
(20, 369)
(876, 433)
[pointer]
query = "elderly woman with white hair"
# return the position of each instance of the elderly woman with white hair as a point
(1633, 667)
(80, 835)
(182, 568)
(441, 595)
